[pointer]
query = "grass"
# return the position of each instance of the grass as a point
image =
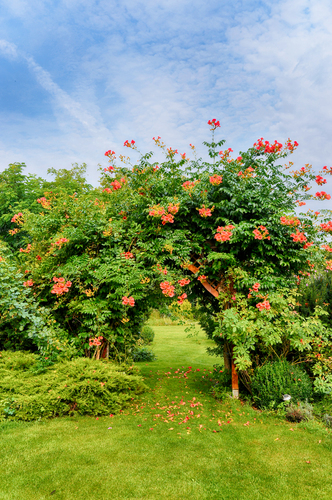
(143, 453)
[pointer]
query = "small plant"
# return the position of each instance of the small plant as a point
(147, 334)
(271, 381)
(300, 411)
(143, 354)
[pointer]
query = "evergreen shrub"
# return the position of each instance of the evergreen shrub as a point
(147, 334)
(143, 354)
(272, 380)
(81, 386)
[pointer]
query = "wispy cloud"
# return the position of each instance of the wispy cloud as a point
(134, 69)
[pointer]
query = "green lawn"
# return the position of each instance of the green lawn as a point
(146, 454)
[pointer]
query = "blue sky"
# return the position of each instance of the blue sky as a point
(79, 77)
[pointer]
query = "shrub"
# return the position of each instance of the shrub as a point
(82, 386)
(147, 334)
(300, 411)
(273, 380)
(143, 354)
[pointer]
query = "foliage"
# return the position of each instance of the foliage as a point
(273, 380)
(143, 354)
(299, 412)
(206, 232)
(314, 291)
(147, 334)
(81, 386)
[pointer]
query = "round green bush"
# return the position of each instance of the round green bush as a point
(147, 334)
(273, 380)
(143, 354)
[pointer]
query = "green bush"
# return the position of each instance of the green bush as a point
(147, 334)
(273, 380)
(81, 386)
(143, 354)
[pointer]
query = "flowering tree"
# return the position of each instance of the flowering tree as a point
(245, 246)
(226, 235)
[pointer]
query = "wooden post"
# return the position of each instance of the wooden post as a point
(235, 380)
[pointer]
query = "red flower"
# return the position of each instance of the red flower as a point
(167, 218)
(184, 282)
(128, 301)
(298, 237)
(214, 124)
(167, 289)
(215, 180)
(28, 283)
(202, 278)
(323, 196)
(320, 181)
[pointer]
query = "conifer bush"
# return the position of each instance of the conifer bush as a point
(81, 386)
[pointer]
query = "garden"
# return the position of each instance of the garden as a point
(168, 333)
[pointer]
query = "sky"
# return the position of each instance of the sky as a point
(79, 77)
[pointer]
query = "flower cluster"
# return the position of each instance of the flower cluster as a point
(171, 152)
(224, 233)
(323, 196)
(327, 227)
(215, 180)
(128, 301)
(110, 153)
(298, 237)
(128, 255)
(44, 202)
(205, 212)
(61, 241)
(247, 173)
(167, 218)
(290, 221)
(224, 155)
(327, 170)
(327, 248)
(13, 231)
(96, 341)
(329, 265)
(17, 216)
(130, 144)
(261, 233)
(182, 298)
(202, 278)
(155, 168)
(291, 146)
(320, 180)
(189, 185)
(173, 208)
(156, 211)
(109, 169)
(167, 289)
(60, 286)
(263, 305)
(28, 283)
(300, 203)
(27, 250)
(307, 245)
(256, 287)
(116, 185)
(214, 124)
(302, 171)
(266, 147)
(184, 282)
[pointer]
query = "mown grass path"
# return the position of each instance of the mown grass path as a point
(175, 442)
